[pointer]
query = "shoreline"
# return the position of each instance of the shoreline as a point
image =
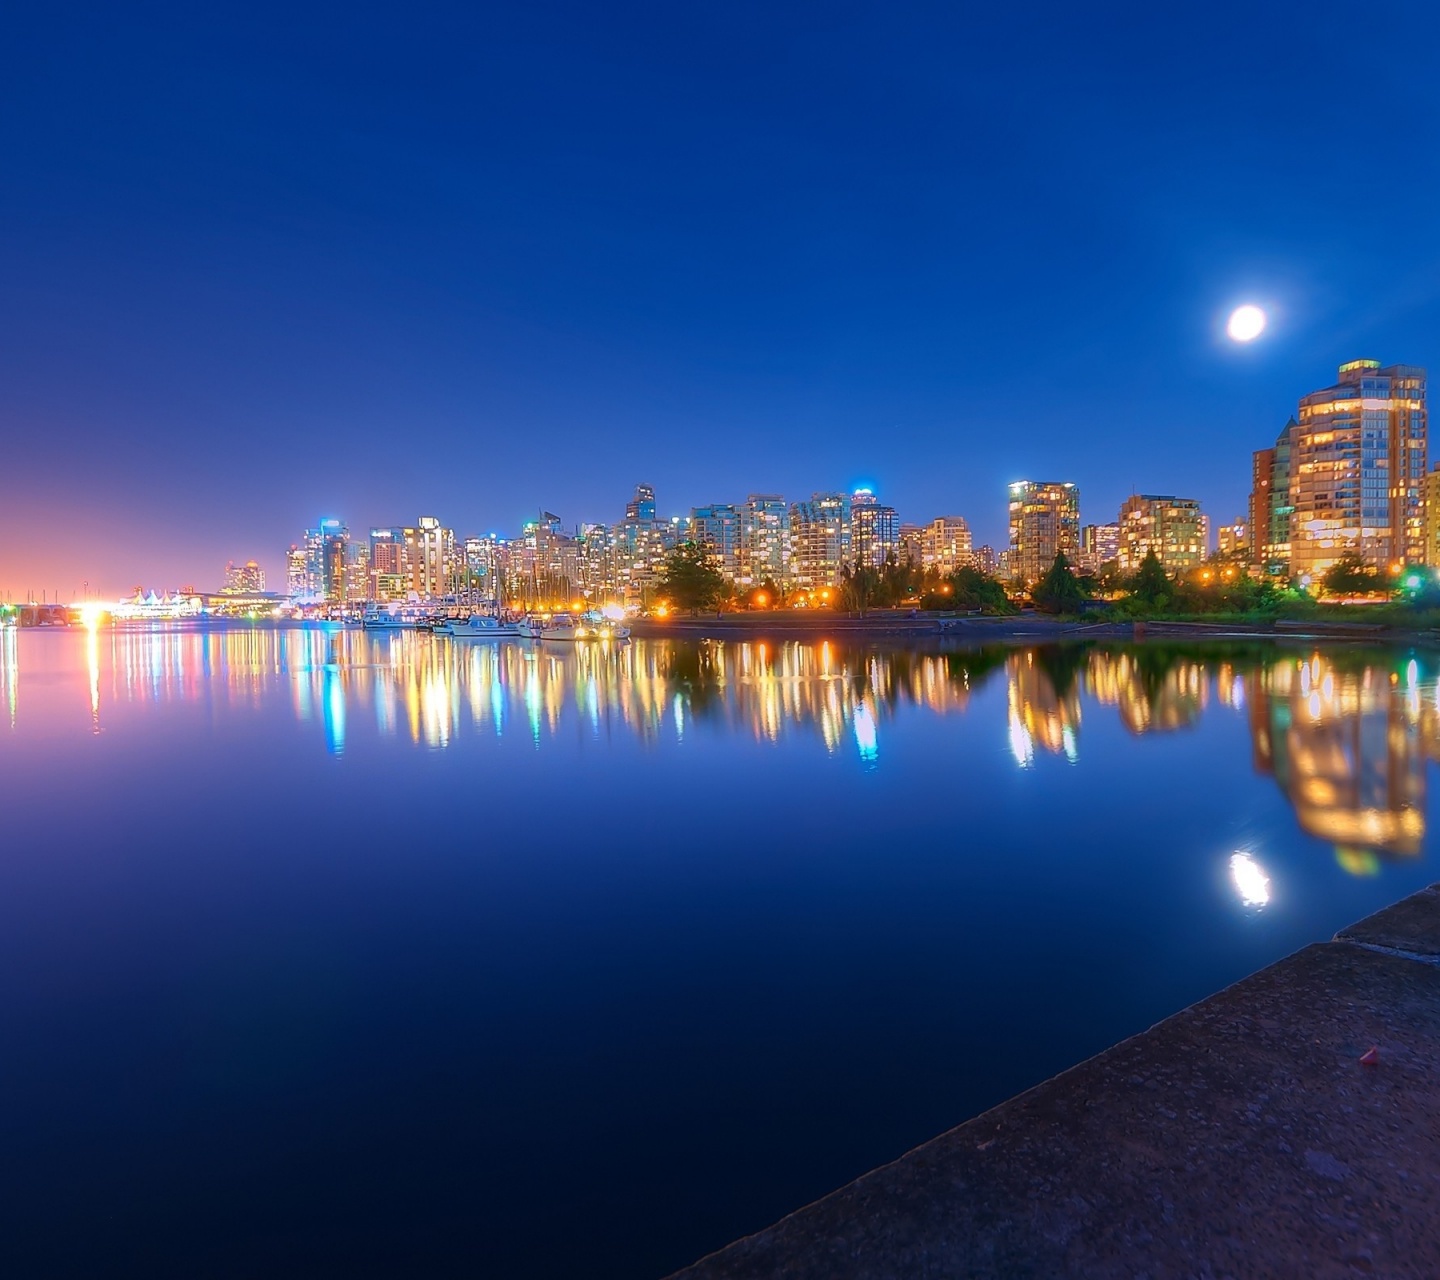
(1037, 628)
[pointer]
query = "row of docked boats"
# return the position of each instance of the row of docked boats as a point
(567, 627)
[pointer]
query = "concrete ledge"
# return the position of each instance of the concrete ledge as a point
(1242, 1137)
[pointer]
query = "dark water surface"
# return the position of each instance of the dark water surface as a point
(329, 954)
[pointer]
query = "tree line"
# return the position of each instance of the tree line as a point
(691, 580)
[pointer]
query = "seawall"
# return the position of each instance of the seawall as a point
(1287, 1126)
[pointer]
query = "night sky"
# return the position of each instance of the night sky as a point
(260, 266)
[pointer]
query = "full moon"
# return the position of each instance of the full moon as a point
(1246, 323)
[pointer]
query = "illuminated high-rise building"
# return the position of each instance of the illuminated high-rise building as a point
(718, 528)
(874, 529)
(389, 564)
(1432, 518)
(296, 577)
(483, 558)
(1270, 505)
(1233, 539)
(642, 506)
(1357, 473)
(430, 558)
(945, 544)
(1044, 523)
(1099, 544)
(243, 579)
(764, 551)
(599, 568)
(1262, 472)
(357, 570)
(640, 544)
(819, 539)
(334, 556)
(1175, 529)
(912, 544)
(317, 572)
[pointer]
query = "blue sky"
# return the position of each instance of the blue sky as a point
(259, 265)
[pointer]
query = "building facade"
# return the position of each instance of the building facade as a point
(874, 529)
(1175, 529)
(243, 579)
(764, 553)
(717, 528)
(1357, 469)
(819, 539)
(1233, 539)
(945, 544)
(1099, 544)
(1044, 523)
(1432, 518)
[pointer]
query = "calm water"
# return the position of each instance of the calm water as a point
(330, 954)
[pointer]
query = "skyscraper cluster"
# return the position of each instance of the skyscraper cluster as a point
(763, 540)
(1346, 476)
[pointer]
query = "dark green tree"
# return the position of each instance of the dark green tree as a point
(1059, 591)
(1150, 586)
(690, 579)
(1351, 575)
(859, 586)
(969, 590)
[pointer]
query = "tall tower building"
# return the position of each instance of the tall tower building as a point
(334, 556)
(1262, 473)
(319, 572)
(1270, 504)
(296, 577)
(357, 570)
(389, 564)
(718, 528)
(764, 540)
(874, 528)
(640, 544)
(1044, 522)
(430, 557)
(642, 505)
(1358, 455)
(819, 539)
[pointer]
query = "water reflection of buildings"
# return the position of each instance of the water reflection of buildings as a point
(431, 690)
(1155, 690)
(1348, 746)
(1044, 703)
(1345, 736)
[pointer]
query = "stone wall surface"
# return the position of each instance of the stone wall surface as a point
(1243, 1137)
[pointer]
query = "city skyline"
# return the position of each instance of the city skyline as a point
(578, 249)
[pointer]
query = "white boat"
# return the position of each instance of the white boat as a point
(478, 626)
(567, 627)
(402, 618)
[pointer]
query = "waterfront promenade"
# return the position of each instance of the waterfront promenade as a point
(1287, 1126)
